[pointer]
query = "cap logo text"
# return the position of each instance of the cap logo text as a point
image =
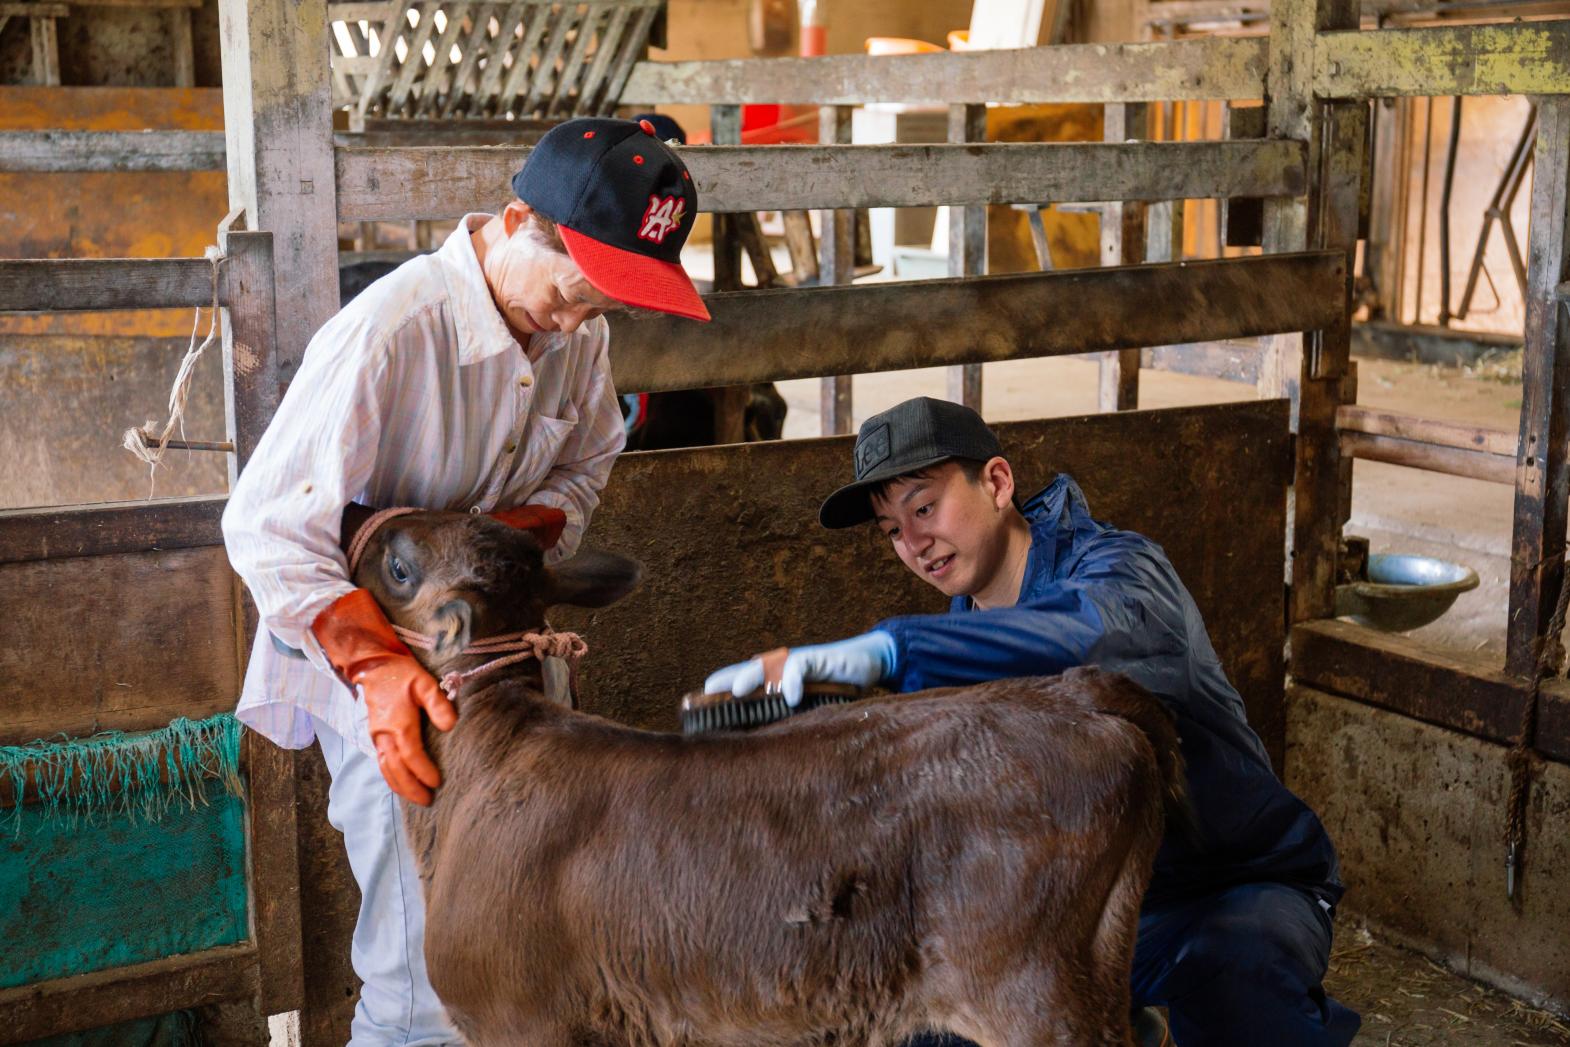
(872, 449)
(664, 213)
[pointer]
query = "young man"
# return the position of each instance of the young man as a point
(1234, 935)
(473, 378)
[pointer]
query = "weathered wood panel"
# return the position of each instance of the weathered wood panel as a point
(412, 183)
(112, 527)
(75, 284)
(1522, 59)
(887, 327)
(124, 642)
(1398, 673)
(31, 1012)
(746, 566)
(1217, 67)
(111, 151)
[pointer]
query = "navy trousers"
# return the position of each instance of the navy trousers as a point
(1238, 968)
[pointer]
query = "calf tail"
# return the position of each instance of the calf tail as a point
(1121, 697)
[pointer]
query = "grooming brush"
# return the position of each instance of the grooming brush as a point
(702, 713)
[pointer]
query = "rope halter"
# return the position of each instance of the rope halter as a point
(514, 648)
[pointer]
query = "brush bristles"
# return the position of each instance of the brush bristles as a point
(740, 714)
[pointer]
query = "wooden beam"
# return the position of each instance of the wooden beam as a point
(1122, 243)
(1211, 68)
(76, 284)
(1520, 59)
(729, 403)
(275, 873)
(182, 44)
(1312, 370)
(111, 527)
(250, 343)
(398, 184)
(836, 265)
(32, 1012)
(967, 244)
(1352, 418)
(34, 10)
(1537, 542)
(46, 51)
(1434, 458)
(111, 151)
(762, 336)
(278, 122)
(1398, 673)
(147, 4)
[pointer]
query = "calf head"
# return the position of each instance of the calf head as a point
(457, 577)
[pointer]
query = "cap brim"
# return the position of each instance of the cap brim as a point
(635, 279)
(852, 504)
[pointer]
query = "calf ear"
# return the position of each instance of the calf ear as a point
(593, 579)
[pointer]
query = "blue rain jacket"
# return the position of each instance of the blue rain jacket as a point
(1095, 595)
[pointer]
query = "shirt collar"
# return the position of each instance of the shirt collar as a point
(481, 331)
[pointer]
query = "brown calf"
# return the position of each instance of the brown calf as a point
(970, 859)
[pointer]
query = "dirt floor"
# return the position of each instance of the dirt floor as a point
(1409, 1001)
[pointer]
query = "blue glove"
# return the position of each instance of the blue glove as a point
(861, 661)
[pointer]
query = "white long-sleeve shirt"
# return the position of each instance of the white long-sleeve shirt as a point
(415, 394)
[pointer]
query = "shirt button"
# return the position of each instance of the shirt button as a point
(526, 381)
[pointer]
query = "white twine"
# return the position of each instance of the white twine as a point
(135, 440)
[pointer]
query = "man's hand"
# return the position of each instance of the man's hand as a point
(360, 644)
(860, 661)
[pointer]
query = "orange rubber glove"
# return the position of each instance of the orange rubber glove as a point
(543, 521)
(361, 645)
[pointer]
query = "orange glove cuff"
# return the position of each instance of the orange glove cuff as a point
(543, 521)
(356, 635)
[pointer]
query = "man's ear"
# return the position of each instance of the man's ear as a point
(514, 215)
(998, 477)
(593, 579)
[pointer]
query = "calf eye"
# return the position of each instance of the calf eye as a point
(399, 572)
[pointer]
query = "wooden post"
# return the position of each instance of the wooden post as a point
(46, 50)
(836, 249)
(967, 245)
(1312, 371)
(278, 138)
(729, 402)
(1542, 479)
(250, 398)
(178, 20)
(1122, 243)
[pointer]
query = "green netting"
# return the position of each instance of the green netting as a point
(166, 1030)
(134, 850)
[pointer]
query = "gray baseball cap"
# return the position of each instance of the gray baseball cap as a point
(903, 439)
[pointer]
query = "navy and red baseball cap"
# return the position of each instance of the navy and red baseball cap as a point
(624, 203)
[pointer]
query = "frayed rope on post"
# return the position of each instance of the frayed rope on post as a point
(141, 775)
(135, 440)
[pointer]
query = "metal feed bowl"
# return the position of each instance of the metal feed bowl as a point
(1403, 591)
